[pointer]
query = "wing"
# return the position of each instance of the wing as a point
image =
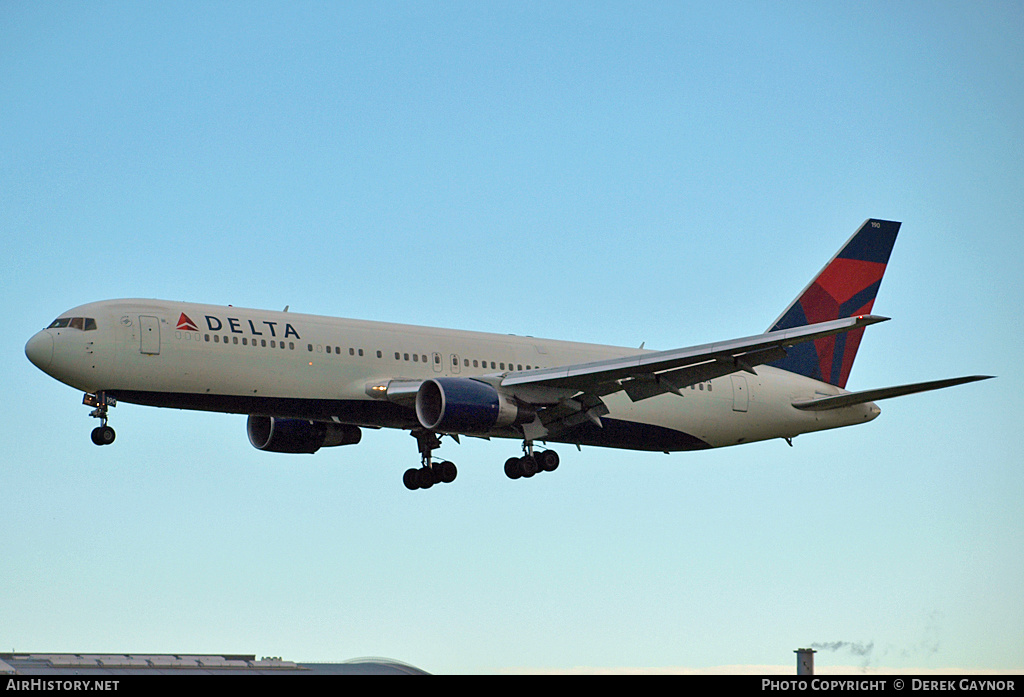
(569, 395)
(566, 396)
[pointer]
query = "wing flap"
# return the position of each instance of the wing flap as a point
(852, 398)
(646, 386)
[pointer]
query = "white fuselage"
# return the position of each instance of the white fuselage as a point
(292, 365)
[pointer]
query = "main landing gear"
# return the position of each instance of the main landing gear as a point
(430, 472)
(102, 434)
(531, 462)
(443, 472)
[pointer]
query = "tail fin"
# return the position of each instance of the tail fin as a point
(846, 287)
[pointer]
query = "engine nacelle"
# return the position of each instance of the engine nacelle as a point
(465, 405)
(298, 435)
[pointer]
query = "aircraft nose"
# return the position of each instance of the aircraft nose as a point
(39, 350)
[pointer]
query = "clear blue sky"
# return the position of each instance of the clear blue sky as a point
(668, 173)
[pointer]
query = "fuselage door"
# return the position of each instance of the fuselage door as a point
(456, 367)
(740, 395)
(437, 362)
(149, 334)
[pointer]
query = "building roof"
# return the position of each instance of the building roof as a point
(86, 664)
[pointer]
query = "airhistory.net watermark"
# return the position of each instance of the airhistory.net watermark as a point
(33, 684)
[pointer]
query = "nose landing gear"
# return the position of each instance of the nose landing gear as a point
(102, 434)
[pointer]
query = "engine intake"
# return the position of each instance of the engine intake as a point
(298, 435)
(465, 405)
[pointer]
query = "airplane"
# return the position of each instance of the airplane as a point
(308, 382)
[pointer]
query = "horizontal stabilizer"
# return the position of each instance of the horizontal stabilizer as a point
(851, 398)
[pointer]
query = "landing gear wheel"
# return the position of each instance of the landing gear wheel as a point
(528, 466)
(103, 435)
(547, 460)
(425, 477)
(446, 472)
(411, 479)
(512, 470)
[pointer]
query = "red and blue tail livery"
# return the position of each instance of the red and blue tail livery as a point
(846, 287)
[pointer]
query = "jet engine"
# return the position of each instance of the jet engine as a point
(298, 435)
(466, 405)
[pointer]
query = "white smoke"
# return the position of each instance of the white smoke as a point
(855, 648)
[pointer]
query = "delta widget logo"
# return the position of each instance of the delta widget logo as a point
(186, 324)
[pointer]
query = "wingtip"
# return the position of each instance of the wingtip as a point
(970, 378)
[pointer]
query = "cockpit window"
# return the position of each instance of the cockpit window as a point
(86, 324)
